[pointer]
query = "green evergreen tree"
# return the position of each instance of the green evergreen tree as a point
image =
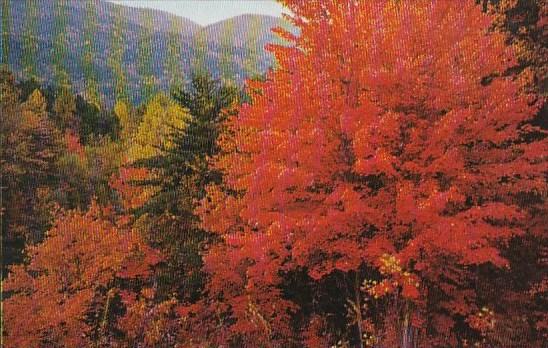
(64, 110)
(181, 174)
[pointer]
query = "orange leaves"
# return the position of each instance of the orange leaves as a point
(139, 263)
(410, 291)
(67, 275)
(395, 279)
(149, 325)
(132, 196)
(73, 144)
(374, 136)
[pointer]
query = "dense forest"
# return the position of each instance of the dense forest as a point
(383, 184)
(107, 51)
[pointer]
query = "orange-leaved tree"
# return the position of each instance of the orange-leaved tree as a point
(70, 292)
(373, 176)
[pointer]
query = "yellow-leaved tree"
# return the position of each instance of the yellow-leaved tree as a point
(162, 116)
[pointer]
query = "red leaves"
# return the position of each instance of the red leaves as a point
(140, 263)
(373, 150)
(73, 144)
(132, 196)
(376, 121)
(81, 256)
(410, 291)
(314, 336)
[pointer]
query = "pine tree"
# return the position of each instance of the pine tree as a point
(180, 172)
(64, 110)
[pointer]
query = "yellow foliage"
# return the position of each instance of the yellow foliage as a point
(162, 116)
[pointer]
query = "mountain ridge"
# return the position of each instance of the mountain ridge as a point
(102, 48)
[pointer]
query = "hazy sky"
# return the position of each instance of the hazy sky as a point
(205, 12)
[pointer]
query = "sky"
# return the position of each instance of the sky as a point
(206, 12)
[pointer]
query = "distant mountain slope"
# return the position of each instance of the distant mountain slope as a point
(108, 51)
(236, 45)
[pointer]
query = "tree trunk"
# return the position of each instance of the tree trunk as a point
(407, 337)
(408, 332)
(358, 309)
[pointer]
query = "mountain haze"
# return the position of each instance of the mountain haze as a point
(105, 50)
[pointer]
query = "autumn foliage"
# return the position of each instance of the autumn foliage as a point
(65, 296)
(386, 159)
(383, 186)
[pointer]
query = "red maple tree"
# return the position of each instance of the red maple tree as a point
(388, 155)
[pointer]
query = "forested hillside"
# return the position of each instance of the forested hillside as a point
(106, 50)
(382, 185)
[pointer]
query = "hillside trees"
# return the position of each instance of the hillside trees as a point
(524, 22)
(373, 179)
(179, 174)
(73, 291)
(30, 47)
(145, 57)
(116, 58)
(160, 117)
(45, 164)
(60, 42)
(6, 27)
(226, 64)
(30, 145)
(92, 91)
(199, 52)
(172, 60)
(521, 288)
